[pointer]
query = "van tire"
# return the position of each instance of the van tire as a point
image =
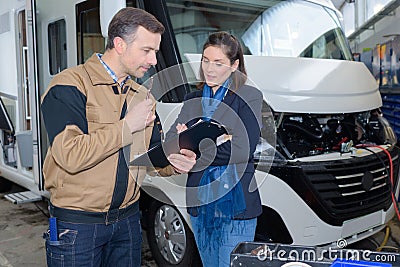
(5, 185)
(178, 227)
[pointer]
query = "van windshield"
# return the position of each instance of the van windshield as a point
(293, 28)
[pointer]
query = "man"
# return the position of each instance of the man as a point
(92, 112)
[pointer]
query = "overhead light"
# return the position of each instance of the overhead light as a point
(350, 1)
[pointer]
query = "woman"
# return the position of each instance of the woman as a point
(222, 206)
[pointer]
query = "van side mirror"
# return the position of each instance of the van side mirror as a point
(108, 8)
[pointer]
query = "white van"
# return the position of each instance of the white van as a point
(319, 183)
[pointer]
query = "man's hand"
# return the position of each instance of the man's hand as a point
(140, 115)
(184, 161)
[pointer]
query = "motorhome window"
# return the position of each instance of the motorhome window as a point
(266, 28)
(193, 21)
(57, 46)
(89, 37)
(7, 114)
(328, 46)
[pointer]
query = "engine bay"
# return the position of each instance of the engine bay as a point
(302, 135)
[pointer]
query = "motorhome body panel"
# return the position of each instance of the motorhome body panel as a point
(294, 84)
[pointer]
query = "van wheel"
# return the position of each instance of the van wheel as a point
(5, 185)
(170, 239)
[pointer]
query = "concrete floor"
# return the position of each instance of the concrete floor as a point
(22, 226)
(21, 230)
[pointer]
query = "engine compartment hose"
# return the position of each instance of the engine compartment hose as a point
(385, 239)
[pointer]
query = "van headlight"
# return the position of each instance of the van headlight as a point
(266, 154)
(381, 131)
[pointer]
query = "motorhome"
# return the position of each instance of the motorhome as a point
(327, 161)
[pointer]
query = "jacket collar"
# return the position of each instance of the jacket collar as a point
(98, 75)
(221, 110)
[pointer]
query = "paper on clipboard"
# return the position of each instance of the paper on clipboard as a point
(188, 139)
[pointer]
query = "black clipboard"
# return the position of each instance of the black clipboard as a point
(188, 139)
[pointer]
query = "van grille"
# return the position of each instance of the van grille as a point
(354, 187)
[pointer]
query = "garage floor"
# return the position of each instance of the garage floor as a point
(21, 229)
(21, 243)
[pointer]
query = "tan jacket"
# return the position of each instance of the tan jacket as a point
(82, 108)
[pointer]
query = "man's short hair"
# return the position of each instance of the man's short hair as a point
(125, 23)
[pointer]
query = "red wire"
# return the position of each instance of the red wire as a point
(391, 176)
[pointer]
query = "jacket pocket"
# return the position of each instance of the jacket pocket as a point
(62, 251)
(101, 115)
(65, 237)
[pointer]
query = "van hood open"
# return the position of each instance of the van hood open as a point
(308, 85)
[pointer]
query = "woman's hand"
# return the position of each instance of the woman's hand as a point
(181, 127)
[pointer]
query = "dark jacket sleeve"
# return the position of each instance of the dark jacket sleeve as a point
(64, 105)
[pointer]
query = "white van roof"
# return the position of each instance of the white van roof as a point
(308, 85)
